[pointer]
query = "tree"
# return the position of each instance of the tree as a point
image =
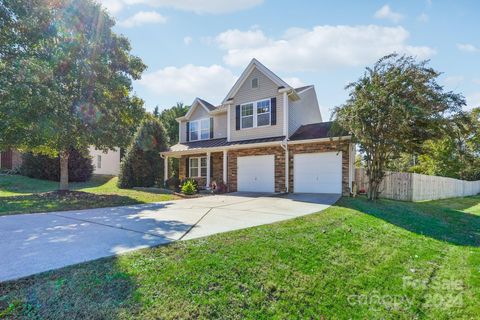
(168, 118)
(457, 154)
(65, 79)
(80, 167)
(142, 165)
(395, 107)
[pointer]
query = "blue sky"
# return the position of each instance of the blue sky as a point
(199, 48)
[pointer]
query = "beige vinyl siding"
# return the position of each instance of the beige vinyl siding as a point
(219, 123)
(266, 89)
(183, 132)
(220, 126)
(303, 111)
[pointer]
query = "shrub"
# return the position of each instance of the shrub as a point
(173, 183)
(142, 165)
(189, 188)
(195, 182)
(38, 166)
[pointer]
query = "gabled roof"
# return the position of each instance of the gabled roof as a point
(251, 66)
(198, 102)
(304, 88)
(209, 106)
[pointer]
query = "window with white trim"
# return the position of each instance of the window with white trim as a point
(200, 129)
(263, 113)
(197, 167)
(247, 115)
(255, 114)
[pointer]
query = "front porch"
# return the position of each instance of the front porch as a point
(206, 167)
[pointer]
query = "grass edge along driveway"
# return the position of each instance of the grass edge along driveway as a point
(354, 260)
(19, 194)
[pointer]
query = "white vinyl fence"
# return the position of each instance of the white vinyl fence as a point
(417, 187)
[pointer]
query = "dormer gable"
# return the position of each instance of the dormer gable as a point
(255, 65)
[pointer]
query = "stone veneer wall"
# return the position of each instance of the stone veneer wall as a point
(322, 147)
(217, 163)
(217, 160)
(279, 165)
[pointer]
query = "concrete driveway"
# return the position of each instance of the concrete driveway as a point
(33, 243)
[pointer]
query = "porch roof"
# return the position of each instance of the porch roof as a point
(218, 143)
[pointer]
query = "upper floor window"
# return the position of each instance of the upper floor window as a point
(263, 113)
(200, 129)
(255, 114)
(247, 115)
(255, 83)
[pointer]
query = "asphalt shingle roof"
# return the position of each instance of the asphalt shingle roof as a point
(314, 131)
(221, 142)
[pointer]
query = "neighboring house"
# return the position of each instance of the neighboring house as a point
(105, 163)
(10, 159)
(262, 125)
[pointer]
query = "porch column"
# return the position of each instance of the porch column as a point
(224, 166)
(208, 170)
(165, 169)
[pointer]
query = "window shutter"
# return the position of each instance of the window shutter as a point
(187, 167)
(211, 128)
(211, 167)
(273, 114)
(237, 117)
(188, 131)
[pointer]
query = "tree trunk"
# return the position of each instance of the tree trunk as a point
(64, 155)
(373, 186)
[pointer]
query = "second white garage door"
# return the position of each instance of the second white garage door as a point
(256, 173)
(317, 172)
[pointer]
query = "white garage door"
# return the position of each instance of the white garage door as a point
(256, 173)
(317, 172)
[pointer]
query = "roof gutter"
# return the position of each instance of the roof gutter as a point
(282, 143)
(219, 149)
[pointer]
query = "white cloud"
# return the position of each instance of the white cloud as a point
(143, 17)
(294, 82)
(473, 100)
(187, 82)
(467, 47)
(197, 6)
(386, 12)
(112, 6)
(236, 39)
(318, 48)
(453, 81)
(187, 40)
(423, 17)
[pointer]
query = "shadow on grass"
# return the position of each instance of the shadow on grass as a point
(53, 201)
(24, 185)
(442, 220)
(101, 289)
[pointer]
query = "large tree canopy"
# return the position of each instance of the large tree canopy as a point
(65, 78)
(394, 108)
(455, 155)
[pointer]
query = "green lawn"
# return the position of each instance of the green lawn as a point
(19, 194)
(356, 260)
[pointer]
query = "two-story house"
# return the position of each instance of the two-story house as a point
(265, 136)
